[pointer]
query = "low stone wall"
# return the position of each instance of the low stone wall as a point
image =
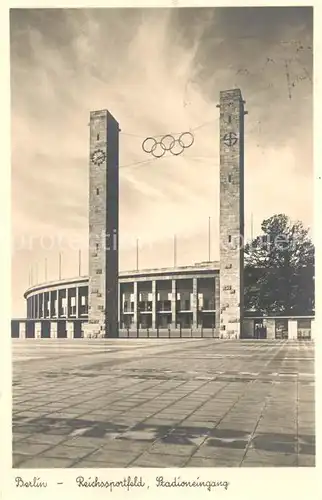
(71, 329)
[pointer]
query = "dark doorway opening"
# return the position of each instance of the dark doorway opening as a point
(61, 330)
(77, 329)
(260, 330)
(15, 329)
(45, 329)
(208, 320)
(30, 330)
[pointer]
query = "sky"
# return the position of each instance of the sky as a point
(158, 71)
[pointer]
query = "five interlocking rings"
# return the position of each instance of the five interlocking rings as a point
(168, 143)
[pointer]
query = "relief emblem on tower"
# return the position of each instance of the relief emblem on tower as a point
(98, 157)
(230, 139)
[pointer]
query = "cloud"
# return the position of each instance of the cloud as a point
(157, 71)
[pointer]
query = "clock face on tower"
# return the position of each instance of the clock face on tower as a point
(98, 157)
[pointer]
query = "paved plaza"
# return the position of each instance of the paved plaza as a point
(162, 403)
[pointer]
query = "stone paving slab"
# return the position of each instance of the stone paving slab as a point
(163, 403)
(46, 463)
(256, 458)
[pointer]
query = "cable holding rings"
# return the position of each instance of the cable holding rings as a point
(168, 143)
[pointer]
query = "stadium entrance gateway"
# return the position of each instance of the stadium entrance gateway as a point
(201, 300)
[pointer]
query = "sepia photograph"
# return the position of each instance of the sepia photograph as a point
(163, 257)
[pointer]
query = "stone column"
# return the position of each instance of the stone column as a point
(33, 305)
(67, 303)
(58, 303)
(119, 303)
(174, 305)
(270, 328)
(77, 302)
(135, 299)
(37, 330)
(44, 305)
(22, 330)
(248, 328)
(51, 304)
(195, 304)
(70, 329)
(217, 302)
(53, 329)
(154, 304)
(292, 329)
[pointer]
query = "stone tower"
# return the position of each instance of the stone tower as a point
(103, 225)
(231, 213)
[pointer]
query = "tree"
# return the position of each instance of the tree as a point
(279, 269)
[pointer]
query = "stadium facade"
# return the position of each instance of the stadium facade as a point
(202, 300)
(168, 302)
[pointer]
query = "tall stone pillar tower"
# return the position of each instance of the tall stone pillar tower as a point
(231, 213)
(103, 225)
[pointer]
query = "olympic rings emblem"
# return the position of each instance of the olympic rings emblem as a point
(168, 143)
